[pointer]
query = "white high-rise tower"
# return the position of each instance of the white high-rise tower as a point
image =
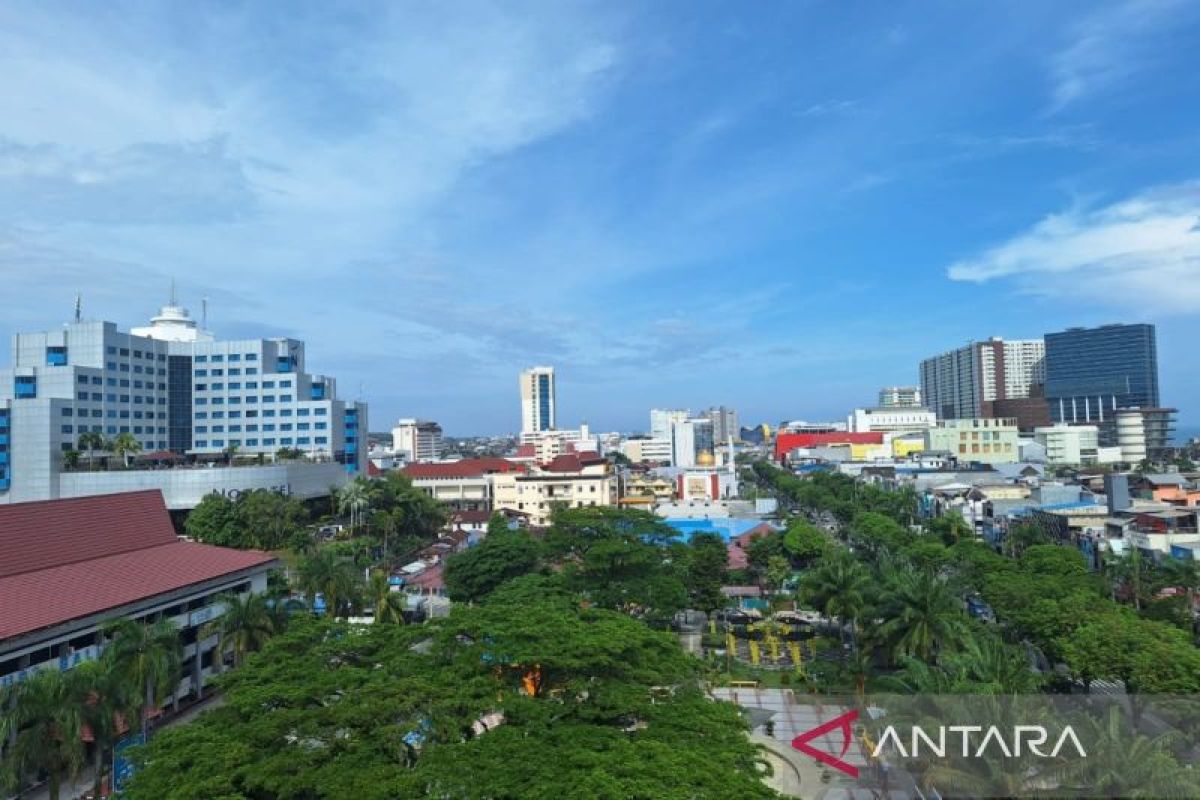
(537, 400)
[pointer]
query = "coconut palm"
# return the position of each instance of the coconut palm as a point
(70, 459)
(244, 627)
(89, 442)
(47, 716)
(923, 617)
(353, 500)
(336, 580)
(839, 588)
(107, 698)
(1124, 763)
(125, 446)
(150, 655)
(388, 605)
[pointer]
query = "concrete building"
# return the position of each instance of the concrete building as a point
(573, 480)
(966, 383)
(545, 445)
(692, 443)
(1091, 373)
(641, 450)
(177, 391)
(538, 403)
(900, 397)
(893, 419)
(724, 423)
(661, 420)
(1144, 433)
(464, 485)
(987, 441)
(417, 439)
(67, 567)
(1074, 445)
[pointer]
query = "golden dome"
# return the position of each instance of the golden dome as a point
(705, 459)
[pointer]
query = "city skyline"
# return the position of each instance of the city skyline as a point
(695, 211)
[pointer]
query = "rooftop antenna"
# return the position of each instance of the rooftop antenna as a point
(78, 307)
(204, 314)
(173, 292)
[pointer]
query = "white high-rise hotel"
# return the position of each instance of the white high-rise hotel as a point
(537, 400)
(173, 387)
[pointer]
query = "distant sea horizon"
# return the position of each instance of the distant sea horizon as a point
(1185, 432)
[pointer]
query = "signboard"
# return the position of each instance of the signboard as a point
(122, 767)
(206, 614)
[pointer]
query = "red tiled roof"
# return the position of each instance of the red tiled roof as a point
(467, 468)
(572, 462)
(526, 451)
(786, 442)
(737, 557)
(65, 559)
(51, 533)
(471, 517)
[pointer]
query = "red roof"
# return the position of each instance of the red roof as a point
(737, 545)
(572, 462)
(67, 559)
(467, 468)
(787, 442)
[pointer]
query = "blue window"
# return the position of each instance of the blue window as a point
(124, 368)
(201, 429)
(268, 442)
(96, 412)
(302, 412)
(137, 367)
(124, 415)
(235, 356)
(235, 371)
(252, 356)
(137, 428)
(66, 429)
(216, 401)
(235, 428)
(218, 428)
(125, 383)
(216, 387)
(96, 380)
(250, 398)
(111, 429)
(201, 401)
(201, 359)
(270, 412)
(302, 440)
(112, 351)
(285, 398)
(83, 378)
(268, 426)
(216, 373)
(25, 386)
(201, 443)
(97, 396)
(303, 426)
(111, 382)
(321, 412)
(201, 373)
(218, 442)
(110, 365)
(233, 401)
(285, 384)
(218, 415)
(111, 413)
(124, 351)
(137, 353)
(201, 415)
(285, 426)
(252, 443)
(56, 356)
(322, 440)
(82, 395)
(201, 387)
(321, 425)
(318, 391)
(251, 384)
(268, 398)
(66, 412)
(285, 412)
(284, 364)
(286, 440)
(235, 385)
(251, 370)
(217, 357)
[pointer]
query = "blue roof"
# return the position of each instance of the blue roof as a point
(1066, 506)
(727, 527)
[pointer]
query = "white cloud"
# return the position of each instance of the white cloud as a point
(1110, 45)
(1141, 252)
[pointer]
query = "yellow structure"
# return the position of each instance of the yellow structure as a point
(797, 657)
(754, 654)
(903, 446)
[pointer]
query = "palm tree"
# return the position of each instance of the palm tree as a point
(838, 588)
(244, 627)
(923, 616)
(1184, 575)
(48, 719)
(388, 605)
(353, 499)
(150, 656)
(1123, 763)
(107, 698)
(336, 580)
(125, 445)
(90, 442)
(70, 459)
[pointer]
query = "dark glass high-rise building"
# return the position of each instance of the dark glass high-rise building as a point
(1092, 372)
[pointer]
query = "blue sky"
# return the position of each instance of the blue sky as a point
(775, 206)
